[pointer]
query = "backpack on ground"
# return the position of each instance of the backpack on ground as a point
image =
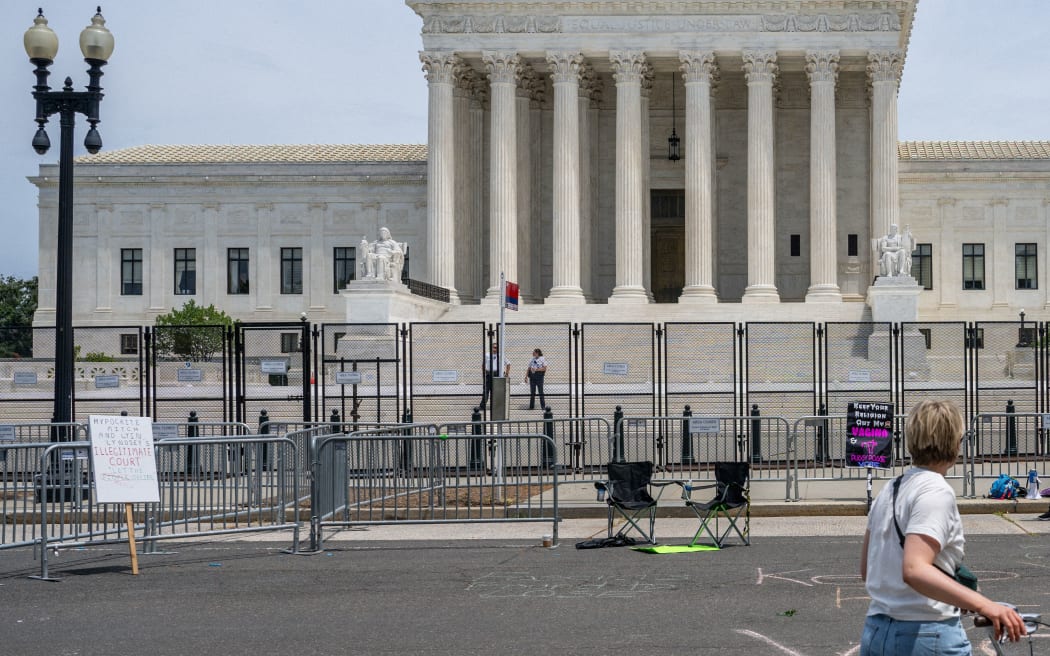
(1005, 487)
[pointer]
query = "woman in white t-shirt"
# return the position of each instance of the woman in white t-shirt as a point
(914, 602)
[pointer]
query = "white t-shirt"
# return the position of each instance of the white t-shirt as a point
(925, 506)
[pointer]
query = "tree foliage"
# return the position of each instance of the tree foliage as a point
(193, 333)
(18, 300)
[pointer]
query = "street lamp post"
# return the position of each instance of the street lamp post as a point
(41, 44)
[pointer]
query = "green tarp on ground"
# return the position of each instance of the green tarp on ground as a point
(674, 548)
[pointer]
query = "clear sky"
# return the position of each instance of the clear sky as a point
(284, 72)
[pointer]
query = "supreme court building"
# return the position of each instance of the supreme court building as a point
(552, 157)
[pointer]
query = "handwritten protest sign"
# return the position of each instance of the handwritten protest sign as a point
(869, 439)
(123, 460)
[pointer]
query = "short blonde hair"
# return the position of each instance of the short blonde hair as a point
(933, 432)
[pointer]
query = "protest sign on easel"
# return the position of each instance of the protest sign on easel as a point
(125, 466)
(869, 437)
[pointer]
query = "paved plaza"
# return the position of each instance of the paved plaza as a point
(485, 589)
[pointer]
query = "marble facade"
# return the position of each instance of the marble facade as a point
(547, 160)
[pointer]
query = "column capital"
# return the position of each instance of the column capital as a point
(822, 66)
(885, 66)
(590, 84)
(440, 67)
(503, 67)
(628, 65)
(648, 75)
(566, 66)
(760, 66)
(698, 66)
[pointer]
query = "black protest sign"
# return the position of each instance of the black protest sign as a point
(869, 438)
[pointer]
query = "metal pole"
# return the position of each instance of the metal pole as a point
(63, 405)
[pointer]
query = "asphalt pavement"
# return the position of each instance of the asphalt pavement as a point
(485, 589)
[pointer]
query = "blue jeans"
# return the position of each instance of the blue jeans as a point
(885, 636)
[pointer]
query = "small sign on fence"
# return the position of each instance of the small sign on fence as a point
(614, 368)
(274, 366)
(25, 378)
(348, 378)
(190, 375)
(860, 375)
(869, 439)
(445, 376)
(704, 425)
(106, 381)
(165, 431)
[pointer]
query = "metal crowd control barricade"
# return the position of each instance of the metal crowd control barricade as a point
(687, 445)
(239, 496)
(415, 475)
(581, 445)
(1008, 443)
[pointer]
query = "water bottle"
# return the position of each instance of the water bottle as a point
(1033, 484)
(601, 492)
(687, 490)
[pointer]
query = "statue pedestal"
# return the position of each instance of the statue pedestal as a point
(371, 306)
(388, 301)
(894, 299)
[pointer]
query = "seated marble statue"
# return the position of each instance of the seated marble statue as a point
(382, 259)
(894, 252)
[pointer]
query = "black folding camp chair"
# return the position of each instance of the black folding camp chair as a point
(731, 502)
(629, 496)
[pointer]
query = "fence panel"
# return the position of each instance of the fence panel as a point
(858, 364)
(189, 370)
(683, 446)
(781, 368)
(361, 372)
(445, 370)
(1008, 443)
(274, 370)
(581, 444)
(1005, 367)
(382, 477)
(934, 364)
(27, 374)
(700, 368)
(618, 368)
(555, 340)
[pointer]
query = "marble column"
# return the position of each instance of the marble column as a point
(699, 71)
(465, 183)
(822, 67)
(628, 68)
(590, 92)
(760, 69)
(565, 249)
(441, 69)
(261, 271)
(884, 71)
(648, 75)
(524, 129)
(504, 69)
(315, 283)
(478, 172)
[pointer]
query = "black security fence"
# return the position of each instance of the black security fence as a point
(434, 372)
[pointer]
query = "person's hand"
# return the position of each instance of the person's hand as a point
(1005, 620)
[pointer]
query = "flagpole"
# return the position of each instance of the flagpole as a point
(502, 320)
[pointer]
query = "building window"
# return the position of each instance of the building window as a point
(973, 266)
(1025, 266)
(185, 271)
(237, 271)
(131, 272)
(290, 342)
(922, 265)
(851, 245)
(1026, 336)
(129, 344)
(404, 269)
(796, 245)
(291, 271)
(345, 267)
